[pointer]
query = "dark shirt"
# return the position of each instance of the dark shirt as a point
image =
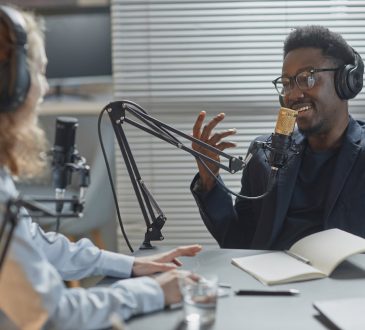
(305, 213)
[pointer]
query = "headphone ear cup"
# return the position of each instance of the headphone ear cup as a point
(341, 86)
(21, 77)
(349, 79)
(355, 78)
(14, 73)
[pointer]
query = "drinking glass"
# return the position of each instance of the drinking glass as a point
(199, 299)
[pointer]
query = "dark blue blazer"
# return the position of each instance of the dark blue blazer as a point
(255, 224)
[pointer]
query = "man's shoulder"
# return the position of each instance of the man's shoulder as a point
(356, 132)
(356, 124)
(361, 123)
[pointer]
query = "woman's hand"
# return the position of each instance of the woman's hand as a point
(169, 283)
(163, 262)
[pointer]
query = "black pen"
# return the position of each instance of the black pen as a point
(289, 292)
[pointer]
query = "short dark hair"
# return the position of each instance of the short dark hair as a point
(331, 43)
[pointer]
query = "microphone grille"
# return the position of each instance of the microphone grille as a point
(286, 121)
(65, 134)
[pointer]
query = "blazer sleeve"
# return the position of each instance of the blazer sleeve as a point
(233, 225)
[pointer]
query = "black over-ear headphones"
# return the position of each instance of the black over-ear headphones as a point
(14, 73)
(349, 78)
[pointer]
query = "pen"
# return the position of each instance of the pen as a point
(297, 256)
(289, 292)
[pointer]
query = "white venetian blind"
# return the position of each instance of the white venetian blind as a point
(175, 58)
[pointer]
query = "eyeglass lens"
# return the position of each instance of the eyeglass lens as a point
(305, 80)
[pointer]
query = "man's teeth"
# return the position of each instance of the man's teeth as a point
(307, 107)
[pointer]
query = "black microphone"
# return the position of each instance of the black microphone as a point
(64, 152)
(281, 140)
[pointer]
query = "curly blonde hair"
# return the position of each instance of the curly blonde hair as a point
(21, 139)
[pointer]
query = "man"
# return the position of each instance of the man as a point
(32, 291)
(318, 189)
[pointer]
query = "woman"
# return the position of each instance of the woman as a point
(32, 292)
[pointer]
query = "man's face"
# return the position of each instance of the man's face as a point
(320, 108)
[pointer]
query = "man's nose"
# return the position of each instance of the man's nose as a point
(294, 94)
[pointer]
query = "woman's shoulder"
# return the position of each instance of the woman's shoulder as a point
(7, 186)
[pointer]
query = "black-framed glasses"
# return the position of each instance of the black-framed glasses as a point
(305, 80)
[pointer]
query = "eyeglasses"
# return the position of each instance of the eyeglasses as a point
(305, 80)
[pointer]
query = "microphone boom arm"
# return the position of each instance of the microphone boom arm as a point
(11, 215)
(117, 113)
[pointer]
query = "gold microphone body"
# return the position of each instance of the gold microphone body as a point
(281, 140)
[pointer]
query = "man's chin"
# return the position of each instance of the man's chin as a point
(309, 130)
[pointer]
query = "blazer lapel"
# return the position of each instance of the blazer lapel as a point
(346, 159)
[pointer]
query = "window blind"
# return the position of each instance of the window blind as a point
(175, 58)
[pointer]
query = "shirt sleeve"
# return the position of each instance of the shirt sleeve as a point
(72, 260)
(80, 259)
(65, 308)
(39, 262)
(125, 298)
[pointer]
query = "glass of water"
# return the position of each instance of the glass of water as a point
(199, 299)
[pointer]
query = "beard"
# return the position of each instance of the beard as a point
(316, 129)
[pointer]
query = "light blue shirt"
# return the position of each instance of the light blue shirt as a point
(48, 259)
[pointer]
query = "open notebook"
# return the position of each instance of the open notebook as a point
(314, 256)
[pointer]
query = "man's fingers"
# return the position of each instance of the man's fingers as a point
(221, 135)
(225, 145)
(209, 127)
(198, 124)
